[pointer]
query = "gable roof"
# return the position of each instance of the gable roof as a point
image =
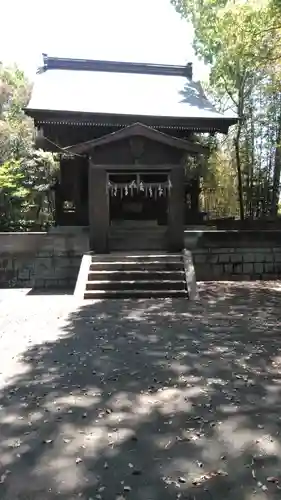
(138, 129)
(122, 89)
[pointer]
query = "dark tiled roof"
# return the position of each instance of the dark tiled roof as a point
(113, 88)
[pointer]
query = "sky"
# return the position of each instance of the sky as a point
(128, 30)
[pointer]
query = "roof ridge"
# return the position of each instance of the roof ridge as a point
(115, 66)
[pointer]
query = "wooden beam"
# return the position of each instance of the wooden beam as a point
(176, 209)
(98, 209)
(138, 129)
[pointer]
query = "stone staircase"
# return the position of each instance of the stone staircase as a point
(142, 238)
(123, 275)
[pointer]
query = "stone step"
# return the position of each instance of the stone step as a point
(137, 256)
(131, 239)
(133, 224)
(136, 266)
(136, 285)
(119, 245)
(134, 294)
(145, 235)
(152, 234)
(134, 274)
(144, 274)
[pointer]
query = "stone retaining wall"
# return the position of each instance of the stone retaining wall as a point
(41, 260)
(52, 260)
(235, 255)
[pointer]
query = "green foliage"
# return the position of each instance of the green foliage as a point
(219, 188)
(25, 173)
(241, 42)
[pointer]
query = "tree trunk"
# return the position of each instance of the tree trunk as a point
(240, 110)
(239, 172)
(252, 191)
(276, 172)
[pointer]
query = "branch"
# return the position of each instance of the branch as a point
(271, 59)
(229, 92)
(266, 30)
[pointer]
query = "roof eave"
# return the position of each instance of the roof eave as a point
(44, 116)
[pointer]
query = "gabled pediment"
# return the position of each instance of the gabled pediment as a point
(138, 130)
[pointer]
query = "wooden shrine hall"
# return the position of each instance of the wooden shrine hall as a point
(128, 139)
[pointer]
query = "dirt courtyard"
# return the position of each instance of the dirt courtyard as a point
(144, 399)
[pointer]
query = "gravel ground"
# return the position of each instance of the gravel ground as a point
(145, 400)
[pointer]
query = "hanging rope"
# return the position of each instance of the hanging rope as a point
(149, 189)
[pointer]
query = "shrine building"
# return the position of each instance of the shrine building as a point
(128, 137)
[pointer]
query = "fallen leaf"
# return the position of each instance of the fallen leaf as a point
(136, 472)
(182, 479)
(4, 476)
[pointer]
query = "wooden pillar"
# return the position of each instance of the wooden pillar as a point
(98, 209)
(58, 206)
(176, 210)
(195, 191)
(76, 190)
(80, 197)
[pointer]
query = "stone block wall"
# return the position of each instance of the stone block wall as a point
(52, 260)
(42, 260)
(235, 255)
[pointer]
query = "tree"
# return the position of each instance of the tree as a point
(233, 38)
(218, 195)
(25, 173)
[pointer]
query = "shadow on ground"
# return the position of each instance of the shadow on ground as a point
(150, 400)
(46, 291)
